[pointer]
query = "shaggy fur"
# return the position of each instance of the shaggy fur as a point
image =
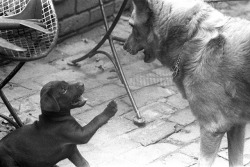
(213, 73)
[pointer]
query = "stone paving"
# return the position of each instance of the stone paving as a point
(171, 134)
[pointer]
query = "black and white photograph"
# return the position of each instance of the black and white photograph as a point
(124, 83)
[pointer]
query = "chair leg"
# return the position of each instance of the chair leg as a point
(11, 74)
(138, 119)
(10, 108)
(10, 121)
(4, 98)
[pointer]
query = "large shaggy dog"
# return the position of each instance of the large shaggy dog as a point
(210, 57)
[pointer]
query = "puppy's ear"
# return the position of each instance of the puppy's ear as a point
(48, 102)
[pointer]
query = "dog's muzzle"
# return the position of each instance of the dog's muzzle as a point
(147, 56)
(129, 49)
(79, 100)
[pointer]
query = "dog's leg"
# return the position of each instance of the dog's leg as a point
(81, 135)
(9, 164)
(77, 159)
(236, 137)
(209, 146)
(7, 161)
(90, 129)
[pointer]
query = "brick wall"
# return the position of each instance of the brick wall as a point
(75, 15)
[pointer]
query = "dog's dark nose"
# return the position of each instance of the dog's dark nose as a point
(125, 46)
(81, 85)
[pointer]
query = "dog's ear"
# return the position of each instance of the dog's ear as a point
(141, 11)
(141, 5)
(48, 102)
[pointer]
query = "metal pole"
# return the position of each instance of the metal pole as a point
(10, 108)
(4, 98)
(11, 75)
(138, 120)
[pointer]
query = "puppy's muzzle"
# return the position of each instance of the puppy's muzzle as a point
(80, 86)
(79, 100)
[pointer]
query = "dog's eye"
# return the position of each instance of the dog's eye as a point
(64, 90)
(137, 33)
(131, 25)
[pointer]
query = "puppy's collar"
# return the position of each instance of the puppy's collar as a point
(55, 114)
(57, 118)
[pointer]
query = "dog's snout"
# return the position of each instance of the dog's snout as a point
(128, 48)
(80, 85)
(132, 46)
(125, 46)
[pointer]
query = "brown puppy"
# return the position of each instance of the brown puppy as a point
(55, 136)
(210, 57)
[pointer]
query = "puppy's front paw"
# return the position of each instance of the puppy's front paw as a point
(111, 109)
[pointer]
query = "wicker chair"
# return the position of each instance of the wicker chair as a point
(28, 31)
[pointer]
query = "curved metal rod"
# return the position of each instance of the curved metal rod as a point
(10, 121)
(106, 36)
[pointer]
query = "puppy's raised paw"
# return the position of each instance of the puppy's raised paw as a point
(111, 109)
